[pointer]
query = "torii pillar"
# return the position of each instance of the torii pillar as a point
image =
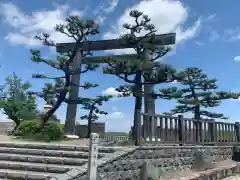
(159, 40)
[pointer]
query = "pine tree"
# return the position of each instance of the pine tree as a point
(79, 30)
(143, 70)
(199, 93)
(2, 96)
(92, 105)
(18, 105)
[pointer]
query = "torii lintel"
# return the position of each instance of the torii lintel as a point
(162, 39)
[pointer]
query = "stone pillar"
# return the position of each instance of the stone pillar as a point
(93, 156)
(46, 108)
(149, 108)
(149, 122)
(237, 131)
(69, 127)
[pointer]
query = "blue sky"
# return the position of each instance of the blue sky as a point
(208, 37)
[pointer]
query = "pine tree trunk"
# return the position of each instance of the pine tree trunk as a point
(69, 127)
(89, 128)
(137, 110)
(17, 123)
(89, 123)
(137, 120)
(197, 112)
(149, 108)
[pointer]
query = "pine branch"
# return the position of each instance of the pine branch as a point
(42, 76)
(134, 72)
(92, 106)
(36, 57)
(180, 109)
(227, 95)
(200, 92)
(213, 115)
(168, 93)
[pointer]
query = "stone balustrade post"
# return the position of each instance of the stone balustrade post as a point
(93, 156)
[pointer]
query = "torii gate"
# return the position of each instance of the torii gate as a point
(99, 45)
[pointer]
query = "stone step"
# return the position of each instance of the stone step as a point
(55, 147)
(23, 175)
(53, 153)
(123, 175)
(43, 159)
(37, 167)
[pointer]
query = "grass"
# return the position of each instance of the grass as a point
(116, 134)
(35, 138)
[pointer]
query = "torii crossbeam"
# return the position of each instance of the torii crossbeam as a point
(159, 40)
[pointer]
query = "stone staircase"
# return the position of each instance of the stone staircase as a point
(21, 161)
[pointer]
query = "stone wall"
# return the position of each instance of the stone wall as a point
(167, 157)
(81, 130)
(6, 126)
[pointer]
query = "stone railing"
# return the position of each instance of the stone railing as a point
(115, 138)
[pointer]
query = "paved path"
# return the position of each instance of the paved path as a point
(70, 142)
(232, 178)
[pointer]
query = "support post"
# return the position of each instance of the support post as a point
(213, 131)
(181, 130)
(69, 127)
(149, 123)
(237, 130)
(93, 156)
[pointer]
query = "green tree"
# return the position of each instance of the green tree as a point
(18, 105)
(140, 71)
(92, 105)
(199, 93)
(2, 96)
(78, 30)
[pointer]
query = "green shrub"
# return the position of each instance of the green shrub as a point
(51, 131)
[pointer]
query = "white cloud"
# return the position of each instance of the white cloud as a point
(111, 91)
(211, 17)
(237, 58)
(175, 82)
(229, 34)
(3, 117)
(101, 19)
(199, 43)
(76, 13)
(214, 36)
(102, 11)
(170, 16)
(116, 115)
(114, 108)
(98, 9)
(117, 122)
(112, 5)
(27, 25)
(19, 39)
